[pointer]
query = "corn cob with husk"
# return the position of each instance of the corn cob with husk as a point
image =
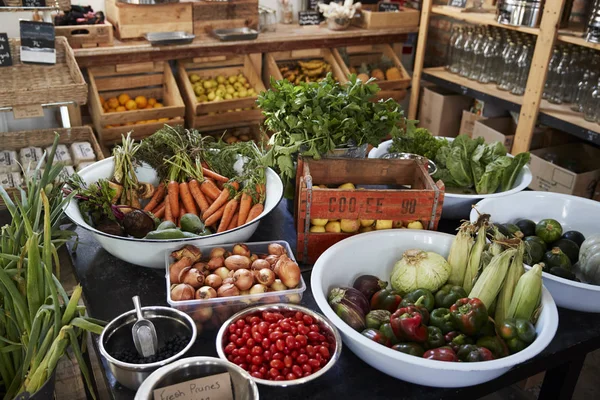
(527, 296)
(510, 283)
(459, 254)
(472, 269)
(490, 281)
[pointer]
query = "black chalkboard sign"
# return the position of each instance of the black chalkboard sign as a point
(457, 3)
(5, 57)
(313, 5)
(388, 7)
(37, 42)
(34, 3)
(309, 18)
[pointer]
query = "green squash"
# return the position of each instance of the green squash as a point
(556, 258)
(534, 252)
(575, 236)
(568, 247)
(526, 226)
(589, 259)
(549, 230)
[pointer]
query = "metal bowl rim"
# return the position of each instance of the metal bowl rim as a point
(290, 307)
(154, 365)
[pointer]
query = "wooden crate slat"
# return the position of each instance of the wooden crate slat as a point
(80, 35)
(210, 15)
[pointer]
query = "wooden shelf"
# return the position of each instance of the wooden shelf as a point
(575, 36)
(286, 37)
(559, 116)
(479, 18)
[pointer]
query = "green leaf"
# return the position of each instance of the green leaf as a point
(490, 180)
(509, 176)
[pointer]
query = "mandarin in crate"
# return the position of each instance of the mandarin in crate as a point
(163, 119)
(131, 105)
(158, 105)
(151, 101)
(120, 109)
(124, 98)
(141, 101)
(102, 101)
(113, 102)
(349, 225)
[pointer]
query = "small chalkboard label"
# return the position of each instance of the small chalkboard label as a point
(457, 3)
(309, 18)
(388, 7)
(37, 42)
(5, 57)
(34, 3)
(215, 387)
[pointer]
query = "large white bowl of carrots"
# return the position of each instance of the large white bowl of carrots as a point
(151, 253)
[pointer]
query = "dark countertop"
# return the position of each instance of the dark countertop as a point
(109, 284)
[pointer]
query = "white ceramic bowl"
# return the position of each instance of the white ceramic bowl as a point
(458, 206)
(375, 253)
(151, 253)
(573, 213)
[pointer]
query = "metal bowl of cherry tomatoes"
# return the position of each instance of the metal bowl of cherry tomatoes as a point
(280, 344)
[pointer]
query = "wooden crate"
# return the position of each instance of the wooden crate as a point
(134, 21)
(379, 20)
(254, 132)
(423, 201)
(272, 60)
(209, 15)
(25, 84)
(82, 36)
(143, 79)
(44, 138)
(216, 115)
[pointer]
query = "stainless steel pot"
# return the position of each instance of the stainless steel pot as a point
(187, 369)
(519, 12)
(117, 335)
(431, 167)
(592, 33)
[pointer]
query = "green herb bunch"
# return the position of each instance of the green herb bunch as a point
(314, 118)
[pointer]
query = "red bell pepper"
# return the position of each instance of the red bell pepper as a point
(441, 354)
(407, 324)
(469, 315)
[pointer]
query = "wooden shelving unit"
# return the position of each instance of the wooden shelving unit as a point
(479, 18)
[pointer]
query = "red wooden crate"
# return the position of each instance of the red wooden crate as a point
(422, 201)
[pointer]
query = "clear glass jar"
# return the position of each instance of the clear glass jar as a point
(477, 59)
(591, 104)
(580, 92)
(509, 67)
(457, 51)
(573, 77)
(559, 83)
(450, 50)
(523, 64)
(465, 58)
(550, 76)
(286, 11)
(489, 53)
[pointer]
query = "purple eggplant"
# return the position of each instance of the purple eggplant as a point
(369, 285)
(350, 297)
(349, 315)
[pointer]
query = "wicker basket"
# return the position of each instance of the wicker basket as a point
(13, 3)
(64, 5)
(24, 84)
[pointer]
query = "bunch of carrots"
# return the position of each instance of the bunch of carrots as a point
(218, 200)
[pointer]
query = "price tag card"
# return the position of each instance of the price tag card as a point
(215, 387)
(34, 3)
(5, 57)
(37, 42)
(28, 111)
(309, 18)
(457, 3)
(388, 7)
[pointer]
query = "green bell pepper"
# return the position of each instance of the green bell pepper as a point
(375, 318)
(414, 349)
(435, 338)
(388, 332)
(411, 298)
(448, 294)
(386, 299)
(441, 318)
(473, 353)
(469, 315)
(489, 329)
(493, 344)
(517, 333)
(455, 339)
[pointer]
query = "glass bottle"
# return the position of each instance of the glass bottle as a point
(550, 78)
(489, 52)
(559, 84)
(573, 77)
(465, 58)
(523, 64)
(477, 63)
(499, 61)
(591, 103)
(450, 49)
(510, 58)
(457, 51)
(582, 88)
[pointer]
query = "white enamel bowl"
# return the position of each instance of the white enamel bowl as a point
(376, 253)
(458, 206)
(573, 213)
(151, 253)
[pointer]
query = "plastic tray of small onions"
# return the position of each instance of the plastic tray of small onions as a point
(212, 283)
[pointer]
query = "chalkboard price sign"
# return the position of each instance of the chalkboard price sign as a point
(5, 57)
(37, 42)
(309, 18)
(388, 7)
(457, 3)
(34, 3)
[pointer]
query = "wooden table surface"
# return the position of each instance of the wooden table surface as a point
(286, 37)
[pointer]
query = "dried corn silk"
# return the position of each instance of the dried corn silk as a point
(82, 152)
(8, 161)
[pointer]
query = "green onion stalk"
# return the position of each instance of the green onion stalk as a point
(38, 320)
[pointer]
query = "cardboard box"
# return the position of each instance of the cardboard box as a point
(440, 111)
(503, 130)
(467, 123)
(550, 176)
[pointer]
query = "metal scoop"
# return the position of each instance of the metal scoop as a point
(143, 332)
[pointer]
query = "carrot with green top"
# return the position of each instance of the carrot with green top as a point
(187, 199)
(168, 213)
(215, 217)
(211, 174)
(219, 201)
(198, 195)
(211, 190)
(234, 222)
(245, 205)
(255, 211)
(228, 213)
(173, 193)
(157, 198)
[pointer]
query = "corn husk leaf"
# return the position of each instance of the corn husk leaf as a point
(489, 283)
(528, 294)
(459, 254)
(510, 283)
(474, 260)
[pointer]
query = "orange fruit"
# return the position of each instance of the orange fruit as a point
(111, 110)
(151, 101)
(141, 102)
(140, 122)
(129, 123)
(163, 119)
(158, 105)
(121, 108)
(149, 107)
(105, 107)
(124, 98)
(152, 121)
(113, 102)
(102, 101)
(131, 105)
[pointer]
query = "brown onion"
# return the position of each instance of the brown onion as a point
(228, 280)
(216, 262)
(277, 249)
(260, 264)
(188, 251)
(288, 271)
(192, 277)
(203, 314)
(202, 267)
(228, 290)
(241, 249)
(214, 281)
(244, 292)
(265, 276)
(258, 289)
(278, 285)
(205, 293)
(236, 262)
(243, 279)
(176, 267)
(253, 258)
(182, 292)
(272, 260)
(223, 272)
(217, 252)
